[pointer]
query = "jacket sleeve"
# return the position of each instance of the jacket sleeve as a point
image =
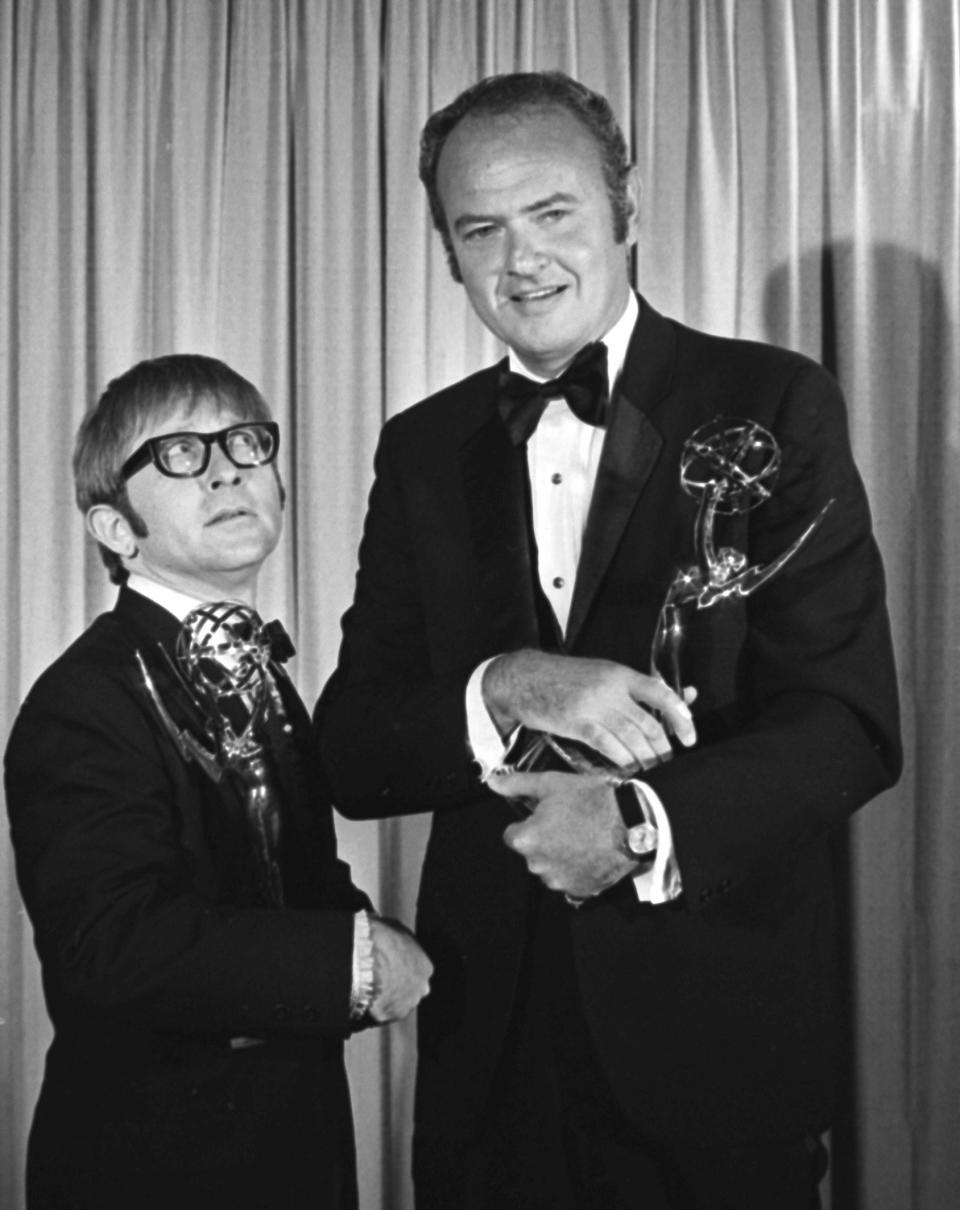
(392, 731)
(812, 730)
(99, 805)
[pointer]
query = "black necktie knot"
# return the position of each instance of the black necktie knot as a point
(583, 384)
(281, 645)
(253, 627)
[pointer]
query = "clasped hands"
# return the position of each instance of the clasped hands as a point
(401, 971)
(573, 837)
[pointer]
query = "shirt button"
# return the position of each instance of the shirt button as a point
(556, 477)
(558, 581)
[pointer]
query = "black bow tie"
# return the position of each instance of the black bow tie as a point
(281, 645)
(583, 384)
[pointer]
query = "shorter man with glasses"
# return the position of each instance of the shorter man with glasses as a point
(199, 1010)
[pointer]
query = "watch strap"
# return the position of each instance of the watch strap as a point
(628, 803)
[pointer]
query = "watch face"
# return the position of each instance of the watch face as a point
(642, 840)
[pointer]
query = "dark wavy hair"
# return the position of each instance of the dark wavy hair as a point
(512, 93)
(145, 394)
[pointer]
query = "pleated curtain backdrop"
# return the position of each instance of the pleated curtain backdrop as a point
(238, 177)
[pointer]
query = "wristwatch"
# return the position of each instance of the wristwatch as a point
(640, 842)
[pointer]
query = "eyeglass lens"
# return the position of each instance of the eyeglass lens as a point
(188, 453)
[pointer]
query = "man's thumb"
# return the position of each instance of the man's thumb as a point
(504, 782)
(508, 783)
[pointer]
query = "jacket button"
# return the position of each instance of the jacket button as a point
(281, 1013)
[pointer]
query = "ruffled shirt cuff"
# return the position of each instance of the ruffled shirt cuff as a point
(362, 987)
(486, 742)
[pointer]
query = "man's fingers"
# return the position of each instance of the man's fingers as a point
(639, 737)
(634, 726)
(510, 835)
(402, 970)
(679, 720)
(627, 743)
(525, 838)
(673, 710)
(510, 784)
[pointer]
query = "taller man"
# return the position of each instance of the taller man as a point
(649, 1021)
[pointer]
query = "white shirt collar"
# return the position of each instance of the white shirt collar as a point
(175, 602)
(617, 341)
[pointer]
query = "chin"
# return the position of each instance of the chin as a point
(242, 564)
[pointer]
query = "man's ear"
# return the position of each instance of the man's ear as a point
(112, 529)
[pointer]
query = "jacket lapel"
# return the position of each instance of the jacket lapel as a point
(149, 622)
(494, 478)
(495, 489)
(630, 452)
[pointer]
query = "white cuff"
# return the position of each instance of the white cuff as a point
(485, 740)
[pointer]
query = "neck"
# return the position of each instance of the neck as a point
(189, 591)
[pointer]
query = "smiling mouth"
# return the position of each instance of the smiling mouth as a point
(534, 296)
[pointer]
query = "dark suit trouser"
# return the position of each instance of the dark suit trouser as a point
(302, 1162)
(257, 1189)
(556, 1140)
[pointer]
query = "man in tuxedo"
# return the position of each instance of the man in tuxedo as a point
(634, 996)
(204, 951)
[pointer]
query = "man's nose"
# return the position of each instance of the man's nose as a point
(524, 255)
(221, 472)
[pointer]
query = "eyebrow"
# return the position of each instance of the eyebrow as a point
(466, 220)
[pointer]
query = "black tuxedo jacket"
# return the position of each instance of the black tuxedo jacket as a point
(157, 959)
(711, 1016)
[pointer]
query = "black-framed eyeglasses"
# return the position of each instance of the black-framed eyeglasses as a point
(186, 455)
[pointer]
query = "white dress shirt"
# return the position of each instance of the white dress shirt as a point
(172, 599)
(562, 459)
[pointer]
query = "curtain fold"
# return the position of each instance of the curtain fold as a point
(239, 179)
